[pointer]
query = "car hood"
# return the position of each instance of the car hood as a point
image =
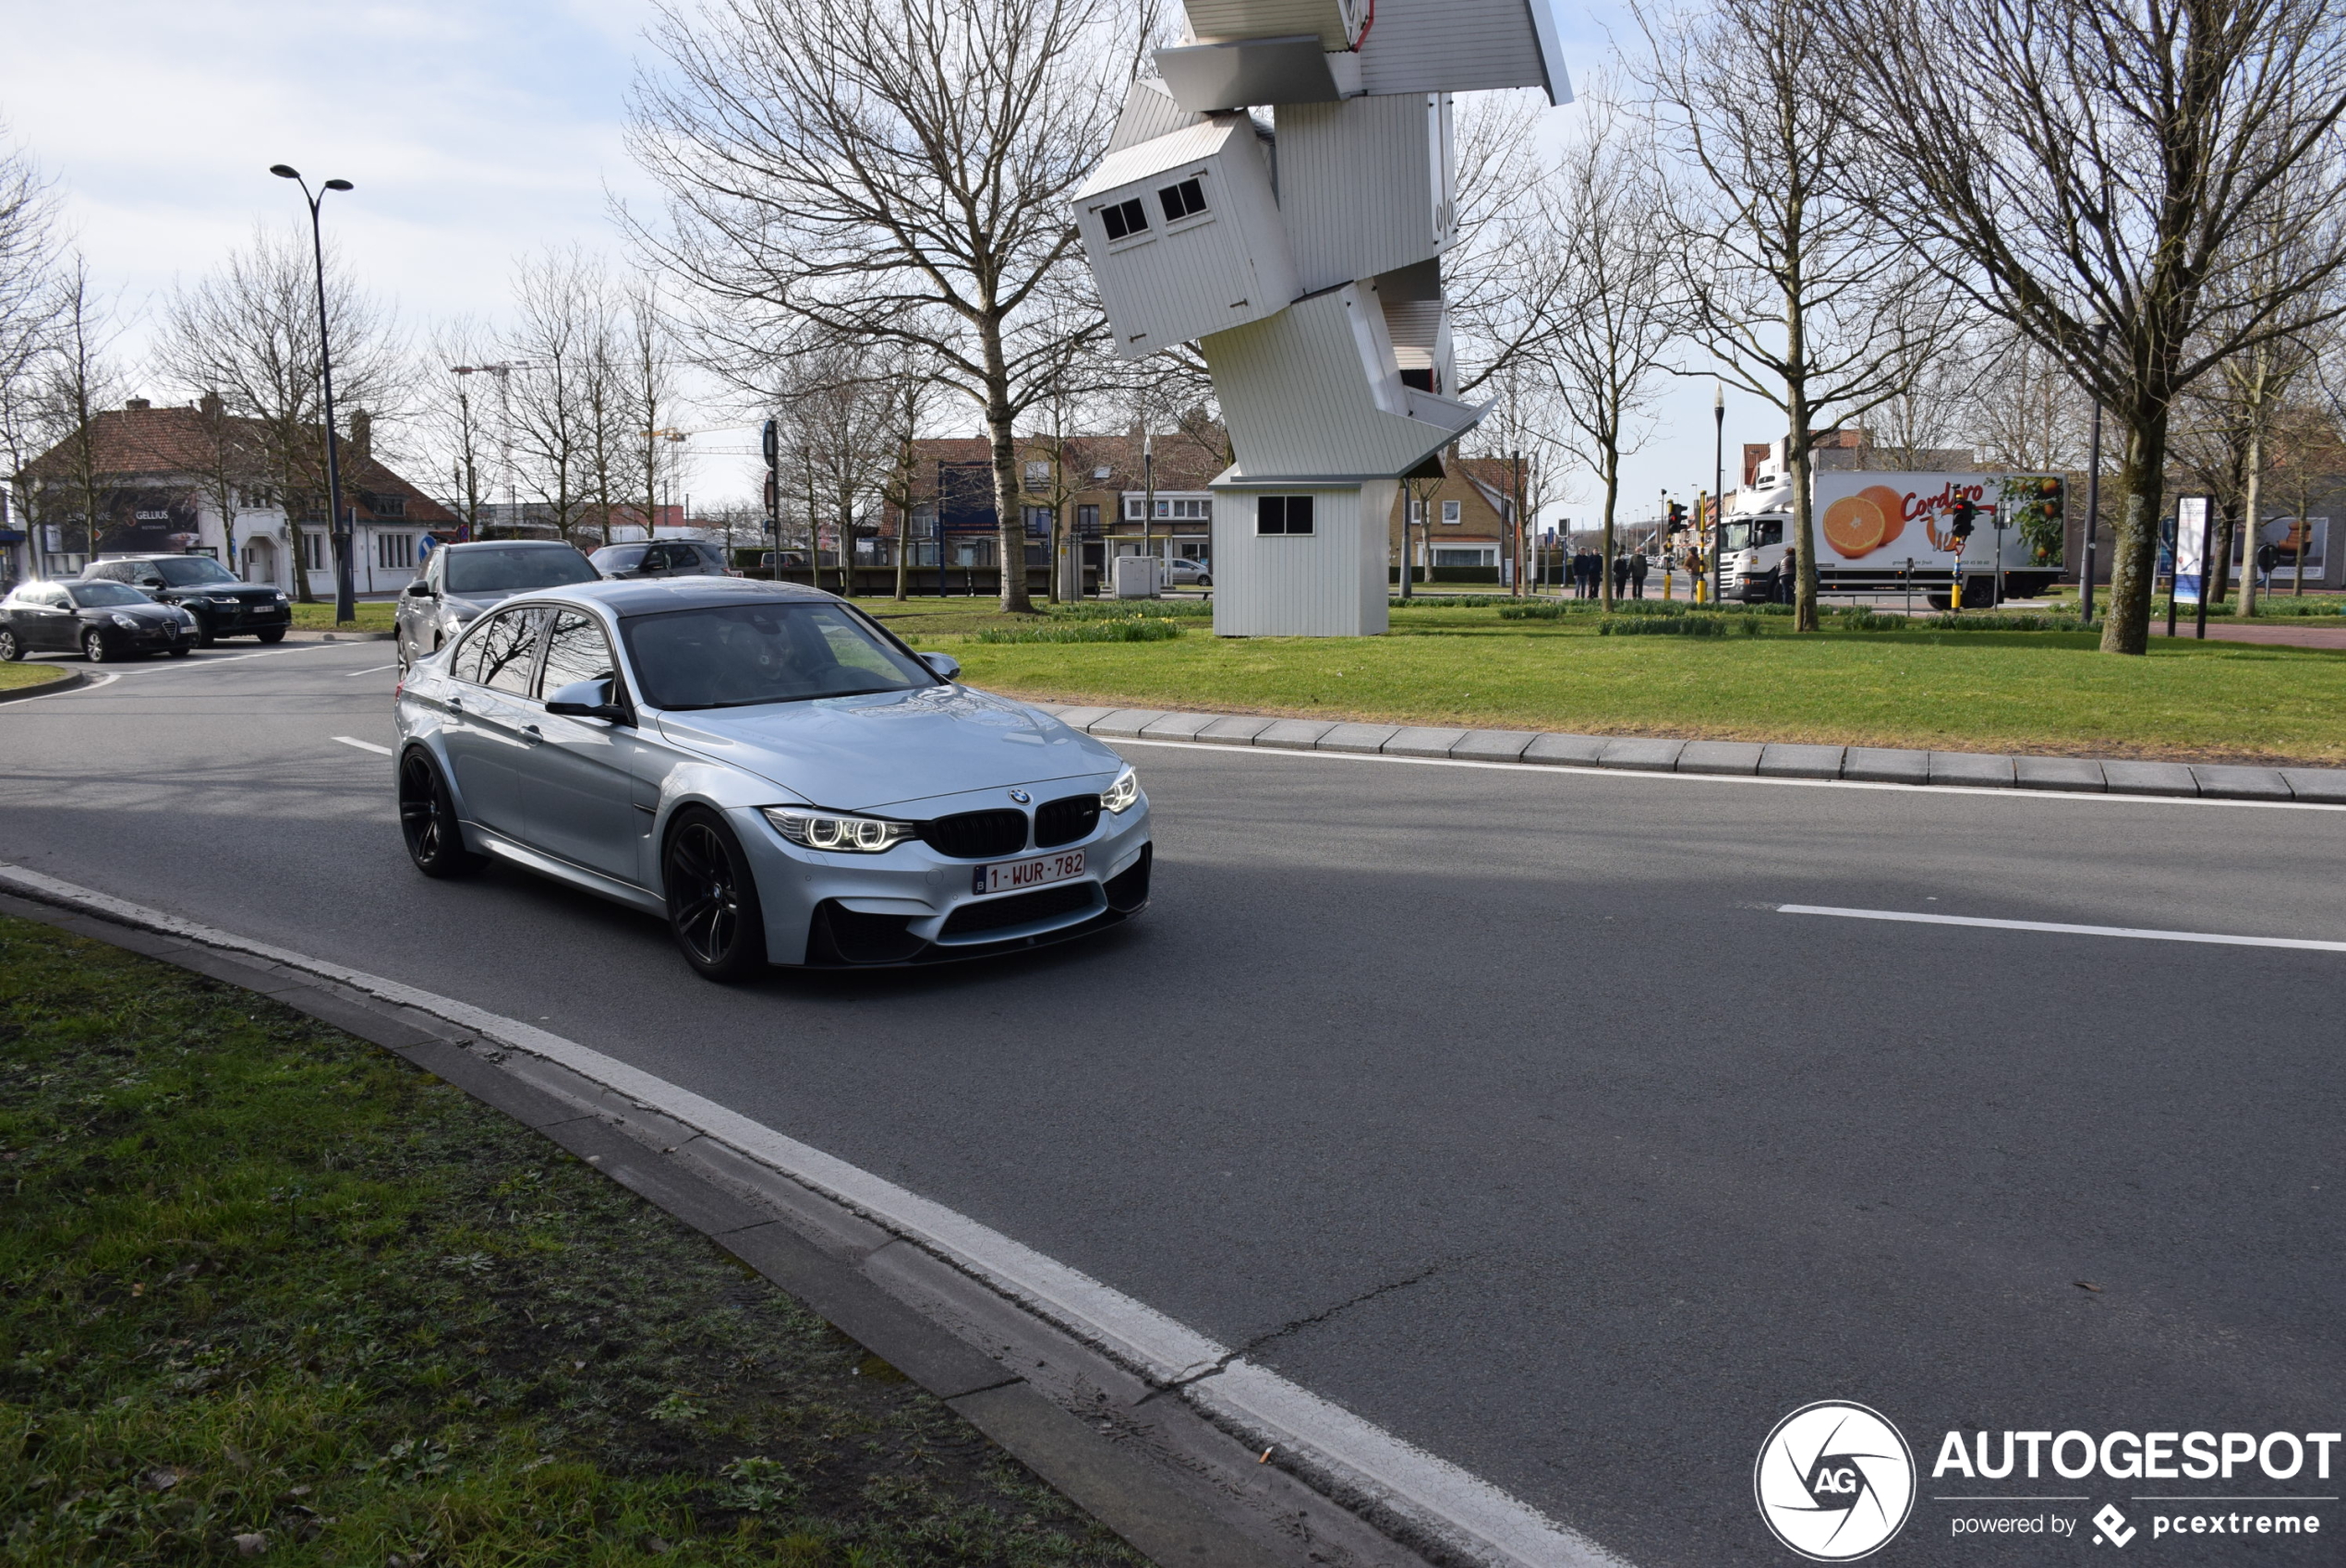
(864, 754)
(148, 611)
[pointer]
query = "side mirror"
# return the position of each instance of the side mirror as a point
(150, 582)
(587, 699)
(419, 589)
(945, 665)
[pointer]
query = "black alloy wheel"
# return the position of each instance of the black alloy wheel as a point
(204, 635)
(274, 634)
(428, 819)
(712, 898)
(93, 647)
(10, 649)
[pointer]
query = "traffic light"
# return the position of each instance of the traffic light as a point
(1967, 517)
(1677, 514)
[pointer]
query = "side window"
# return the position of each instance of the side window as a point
(1283, 514)
(54, 597)
(576, 651)
(509, 653)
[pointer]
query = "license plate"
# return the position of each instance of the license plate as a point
(1012, 876)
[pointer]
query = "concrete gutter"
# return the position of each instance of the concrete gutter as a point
(1873, 764)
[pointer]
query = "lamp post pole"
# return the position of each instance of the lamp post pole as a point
(1718, 485)
(2093, 501)
(345, 595)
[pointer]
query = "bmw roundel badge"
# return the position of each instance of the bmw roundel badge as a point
(1021, 796)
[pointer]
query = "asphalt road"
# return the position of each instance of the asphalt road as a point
(1500, 1106)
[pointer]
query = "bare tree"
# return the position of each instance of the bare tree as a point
(2127, 164)
(248, 333)
(2025, 410)
(560, 333)
(1793, 284)
(649, 393)
(1498, 277)
(459, 434)
(72, 378)
(1610, 311)
(892, 169)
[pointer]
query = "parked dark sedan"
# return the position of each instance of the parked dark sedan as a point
(222, 606)
(105, 621)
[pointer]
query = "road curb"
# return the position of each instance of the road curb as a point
(1192, 1457)
(66, 682)
(1965, 770)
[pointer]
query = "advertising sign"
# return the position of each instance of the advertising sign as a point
(1878, 517)
(143, 521)
(2192, 515)
(965, 498)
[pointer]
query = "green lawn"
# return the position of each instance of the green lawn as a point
(261, 1279)
(2037, 692)
(13, 676)
(320, 617)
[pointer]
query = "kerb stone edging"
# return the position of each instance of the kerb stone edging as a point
(66, 682)
(1877, 764)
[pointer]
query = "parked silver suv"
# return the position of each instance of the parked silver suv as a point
(460, 581)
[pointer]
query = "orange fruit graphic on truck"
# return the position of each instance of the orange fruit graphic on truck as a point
(1860, 524)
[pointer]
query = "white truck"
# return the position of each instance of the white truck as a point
(1885, 532)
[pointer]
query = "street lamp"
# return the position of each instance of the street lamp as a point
(345, 596)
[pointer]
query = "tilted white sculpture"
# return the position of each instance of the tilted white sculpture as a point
(1306, 265)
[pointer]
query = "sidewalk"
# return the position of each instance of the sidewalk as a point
(1873, 764)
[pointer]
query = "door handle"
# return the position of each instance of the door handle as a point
(530, 732)
(455, 704)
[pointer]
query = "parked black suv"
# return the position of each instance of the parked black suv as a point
(222, 606)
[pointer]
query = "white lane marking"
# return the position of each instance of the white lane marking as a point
(377, 669)
(2058, 928)
(1452, 1502)
(363, 745)
(1112, 741)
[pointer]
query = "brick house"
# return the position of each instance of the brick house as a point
(160, 483)
(1098, 487)
(1462, 519)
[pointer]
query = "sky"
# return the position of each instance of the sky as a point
(475, 131)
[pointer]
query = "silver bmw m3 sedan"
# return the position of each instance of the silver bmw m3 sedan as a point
(769, 768)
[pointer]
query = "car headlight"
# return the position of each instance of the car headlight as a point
(1122, 795)
(125, 622)
(227, 599)
(837, 830)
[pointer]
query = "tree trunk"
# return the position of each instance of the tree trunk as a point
(2134, 563)
(1804, 518)
(2251, 499)
(2218, 573)
(300, 564)
(1611, 494)
(1009, 526)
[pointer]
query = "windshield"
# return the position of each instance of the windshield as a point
(738, 656)
(90, 595)
(618, 558)
(191, 570)
(516, 570)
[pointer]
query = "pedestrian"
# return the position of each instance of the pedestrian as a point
(1620, 576)
(1581, 572)
(1788, 579)
(1639, 567)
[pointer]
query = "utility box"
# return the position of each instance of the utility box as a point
(1136, 577)
(1184, 236)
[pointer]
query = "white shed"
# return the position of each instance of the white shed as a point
(1302, 561)
(1183, 234)
(1463, 46)
(1337, 22)
(1365, 185)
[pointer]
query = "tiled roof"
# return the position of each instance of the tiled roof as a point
(147, 444)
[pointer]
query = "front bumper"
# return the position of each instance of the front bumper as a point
(149, 637)
(241, 618)
(915, 906)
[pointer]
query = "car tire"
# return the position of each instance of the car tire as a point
(713, 910)
(10, 649)
(204, 638)
(180, 651)
(274, 634)
(428, 819)
(93, 647)
(1206, 582)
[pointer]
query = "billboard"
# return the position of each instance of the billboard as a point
(146, 522)
(2193, 515)
(965, 498)
(1881, 519)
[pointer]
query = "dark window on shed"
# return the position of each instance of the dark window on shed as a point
(1283, 514)
(1182, 200)
(1125, 218)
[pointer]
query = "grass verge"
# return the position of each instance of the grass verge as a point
(264, 1285)
(372, 617)
(2048, 692)
(15, 676)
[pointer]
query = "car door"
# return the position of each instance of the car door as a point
(484, 733)
(49, 621)
(577, 782)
